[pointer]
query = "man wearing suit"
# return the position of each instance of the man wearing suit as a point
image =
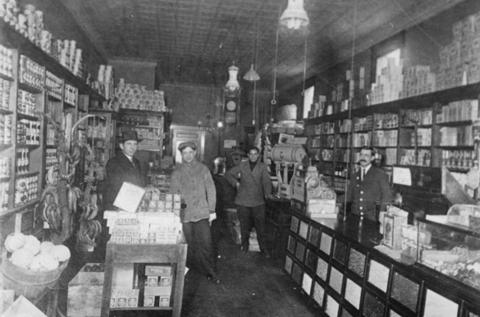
(369, 190)
(252, 181)
(122, 168)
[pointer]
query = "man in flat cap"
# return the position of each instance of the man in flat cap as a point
(193, 181)
(122, 168)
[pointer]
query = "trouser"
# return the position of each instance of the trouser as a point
(200, 252)
(252, 217)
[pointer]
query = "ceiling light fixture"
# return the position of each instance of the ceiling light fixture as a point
(232, 87)
(294, 18)
(251, 75)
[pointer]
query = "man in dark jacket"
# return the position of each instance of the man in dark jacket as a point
(122, 168)
(369, 190)
(252, 181)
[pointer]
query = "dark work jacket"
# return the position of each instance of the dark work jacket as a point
(255, 185)
(119, 169)
(373, 191)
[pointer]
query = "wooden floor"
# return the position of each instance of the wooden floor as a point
(250, 286)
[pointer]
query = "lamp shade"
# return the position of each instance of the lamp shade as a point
(294, 17)
(232, 85)
(251, 75)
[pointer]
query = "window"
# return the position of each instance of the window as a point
(308, 96)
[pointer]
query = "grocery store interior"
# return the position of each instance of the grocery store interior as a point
(239, 158)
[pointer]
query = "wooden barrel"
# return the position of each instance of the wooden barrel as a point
(29, 283)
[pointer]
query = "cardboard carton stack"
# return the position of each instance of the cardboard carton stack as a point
(460, 59)
(158, 286)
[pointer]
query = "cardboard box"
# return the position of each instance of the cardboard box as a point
(85, 291)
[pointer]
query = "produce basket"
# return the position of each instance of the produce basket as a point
(31, 284)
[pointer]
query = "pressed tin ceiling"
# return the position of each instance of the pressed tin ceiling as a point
(196, 40)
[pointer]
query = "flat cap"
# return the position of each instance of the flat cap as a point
(189, 144)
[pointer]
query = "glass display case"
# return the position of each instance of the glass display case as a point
(454, 250)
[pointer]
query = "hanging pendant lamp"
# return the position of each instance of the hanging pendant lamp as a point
(294, 17)
(232, 86)
(251, 75)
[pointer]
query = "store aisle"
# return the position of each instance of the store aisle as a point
(251, 286)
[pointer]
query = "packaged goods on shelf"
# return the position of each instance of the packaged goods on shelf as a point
(420, 157)
(345, 125)
(31, 73)
(417, 80)
(459, 62)
(363, 123)
(5, 94)
(385, 138)
(388, 84)
(123, 298)
(26, 189)
(54, 85)
(342, 140)
(390, 156)
(22, 161)
(51, 158)
(6, 129)
(327, 155)
(458, 159)
(6, 61)
(26, 103)
(71, 95)
(456, 136)
(4, 167)
(417, 117)
(28, 132)
(462, 110)
(134, 96)
(4, 191)
(385, 120)
(362, 139)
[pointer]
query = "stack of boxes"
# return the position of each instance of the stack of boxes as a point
(134, 96)
(388, 85)
(417, 80)
(460, 59)
(158, 286)
(462, 110)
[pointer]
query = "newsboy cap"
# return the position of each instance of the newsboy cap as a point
(189, 144)
(129, 135)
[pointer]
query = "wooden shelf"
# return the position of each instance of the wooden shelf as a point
(29, 146)
(27, 116)
(141, 112)
(23, 175)
(6, 77)
(18, 208)
(140, 308)
(146, 254)
(454, 123)
(420, 101)
(29, 88)
(140, 126)
(455, 147)
(5, 111)
(5, 146)
(384, 129)
(420, 126)
(34, 52)
(53, 97)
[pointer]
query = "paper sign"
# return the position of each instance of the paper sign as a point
(228, 144)
(129, 197)
(402, 176)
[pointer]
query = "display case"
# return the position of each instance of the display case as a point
(454, 251)
(339, 268)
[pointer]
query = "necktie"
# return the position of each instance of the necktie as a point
(362, 174)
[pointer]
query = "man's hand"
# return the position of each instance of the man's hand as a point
(212, 217)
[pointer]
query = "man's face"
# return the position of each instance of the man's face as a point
(366, 157)
(129, 147)
(188, 154)
(253, 156)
